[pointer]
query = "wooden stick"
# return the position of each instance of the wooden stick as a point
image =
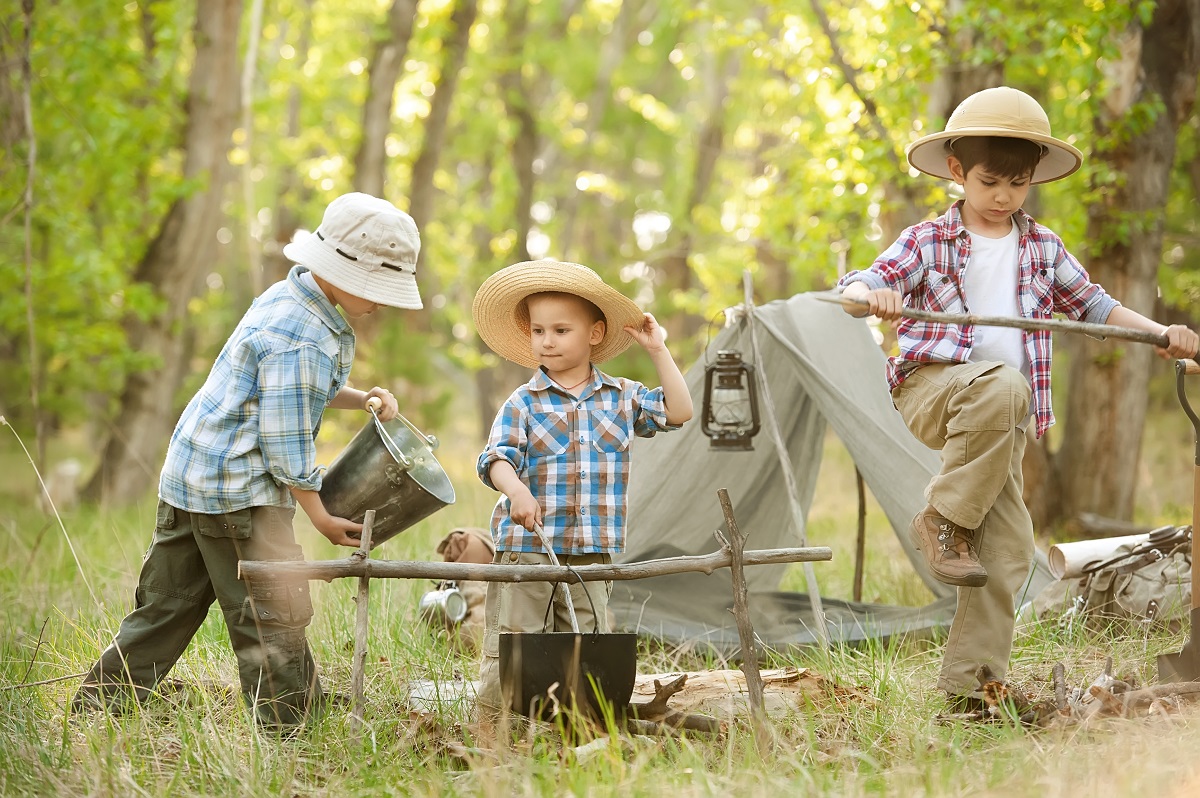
(1054, 325)
(360, 627)
(741, 612)
(656, 709)
(860, 543)
(328, 570)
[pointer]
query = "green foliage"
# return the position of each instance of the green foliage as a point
(809, 178)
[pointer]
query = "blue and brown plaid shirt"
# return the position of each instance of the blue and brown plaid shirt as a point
(574, 456)
(926, 265)
(249, 432)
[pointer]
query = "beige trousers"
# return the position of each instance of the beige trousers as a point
(515, 607)
(970, 413)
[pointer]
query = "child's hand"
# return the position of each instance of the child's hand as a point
(1183, 342)
(651, 337)
(525, 510)
(886, 303)
(389, 409)
(340, 531)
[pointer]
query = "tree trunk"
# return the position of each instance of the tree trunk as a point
(387, 61)
(176, 260)
(1107, 397)
(519, 106)
(293, 191)
(709, 146)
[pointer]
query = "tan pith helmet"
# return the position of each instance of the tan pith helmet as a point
(1005, 112)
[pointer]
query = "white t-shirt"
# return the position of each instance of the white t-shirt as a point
(990, 285)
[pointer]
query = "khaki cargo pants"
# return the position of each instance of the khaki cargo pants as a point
(192, 561)
(970, 412)
(516, 607)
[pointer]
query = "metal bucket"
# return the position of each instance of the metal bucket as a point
(599, 667)
(388, 467)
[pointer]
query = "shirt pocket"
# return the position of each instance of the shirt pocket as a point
(942, 292)
(610, 432)
(1041, 294)
(549, 434)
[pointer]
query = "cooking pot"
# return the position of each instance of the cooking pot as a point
(387, 467)
(592, 673)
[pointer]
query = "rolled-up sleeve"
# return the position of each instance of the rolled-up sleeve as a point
(900, 267)
(1075, 295)
(507, 441)
(290, 404)
(650, 412)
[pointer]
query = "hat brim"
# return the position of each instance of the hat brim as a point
(374, 283)
(503, 323)
(928, 154)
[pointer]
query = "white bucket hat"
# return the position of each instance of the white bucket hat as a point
(503, 319)
(367, 247)
(1004, 112)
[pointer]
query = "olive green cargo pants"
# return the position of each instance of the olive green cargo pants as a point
(974, 413)
(192, 561)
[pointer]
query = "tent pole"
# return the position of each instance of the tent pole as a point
(785, 463)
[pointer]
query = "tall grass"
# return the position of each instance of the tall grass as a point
(196, 738)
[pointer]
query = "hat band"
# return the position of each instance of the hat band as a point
(1045, 150)
(384, 264)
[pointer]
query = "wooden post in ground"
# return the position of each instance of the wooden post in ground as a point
(360, 628)
(741, 612)
(860, 543)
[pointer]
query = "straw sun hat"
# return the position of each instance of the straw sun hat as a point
(1001, 112)
(365, 246)
(503, 320)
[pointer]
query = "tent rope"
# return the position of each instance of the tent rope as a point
(789, 476)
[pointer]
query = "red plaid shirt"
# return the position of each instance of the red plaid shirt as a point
(926, 265)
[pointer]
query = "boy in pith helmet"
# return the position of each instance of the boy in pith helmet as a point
(241, 457)
(971, 391)
(559, 447)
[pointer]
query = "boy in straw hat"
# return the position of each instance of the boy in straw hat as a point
(971, 391)
(559, 447)
(243, 454)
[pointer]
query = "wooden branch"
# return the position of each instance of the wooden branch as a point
(328, 570)
(741, 612)
(1054, 325)
(1060, 686)
(656, 708)
(360, 628)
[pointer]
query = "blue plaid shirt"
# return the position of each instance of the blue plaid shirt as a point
(249, 432)
(574, 456)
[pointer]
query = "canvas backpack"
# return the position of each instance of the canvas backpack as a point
(1148, 583)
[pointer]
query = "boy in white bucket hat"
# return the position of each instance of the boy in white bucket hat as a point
(559, 447)
(243, 454)
(970, 391)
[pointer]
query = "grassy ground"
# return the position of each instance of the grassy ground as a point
(63, 591)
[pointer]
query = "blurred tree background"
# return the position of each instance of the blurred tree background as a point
(156, 156)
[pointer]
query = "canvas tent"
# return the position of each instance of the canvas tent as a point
(824, 370)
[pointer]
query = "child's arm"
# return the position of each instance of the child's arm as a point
(353, 399)
(335, 528)
(675, 392)
(523, 508)
(1183, 341)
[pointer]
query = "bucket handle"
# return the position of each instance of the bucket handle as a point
(1182, 369)
(566, 590)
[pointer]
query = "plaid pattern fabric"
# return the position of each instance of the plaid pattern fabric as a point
(926, 265)
(574, 456)
(249, 432)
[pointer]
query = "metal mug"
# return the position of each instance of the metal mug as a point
(446, 605)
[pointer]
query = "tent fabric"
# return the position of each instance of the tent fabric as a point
(824, 370)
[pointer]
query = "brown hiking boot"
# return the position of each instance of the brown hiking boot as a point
(948, 548)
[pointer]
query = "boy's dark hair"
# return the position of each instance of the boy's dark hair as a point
(1003, 156)
(591, 307)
